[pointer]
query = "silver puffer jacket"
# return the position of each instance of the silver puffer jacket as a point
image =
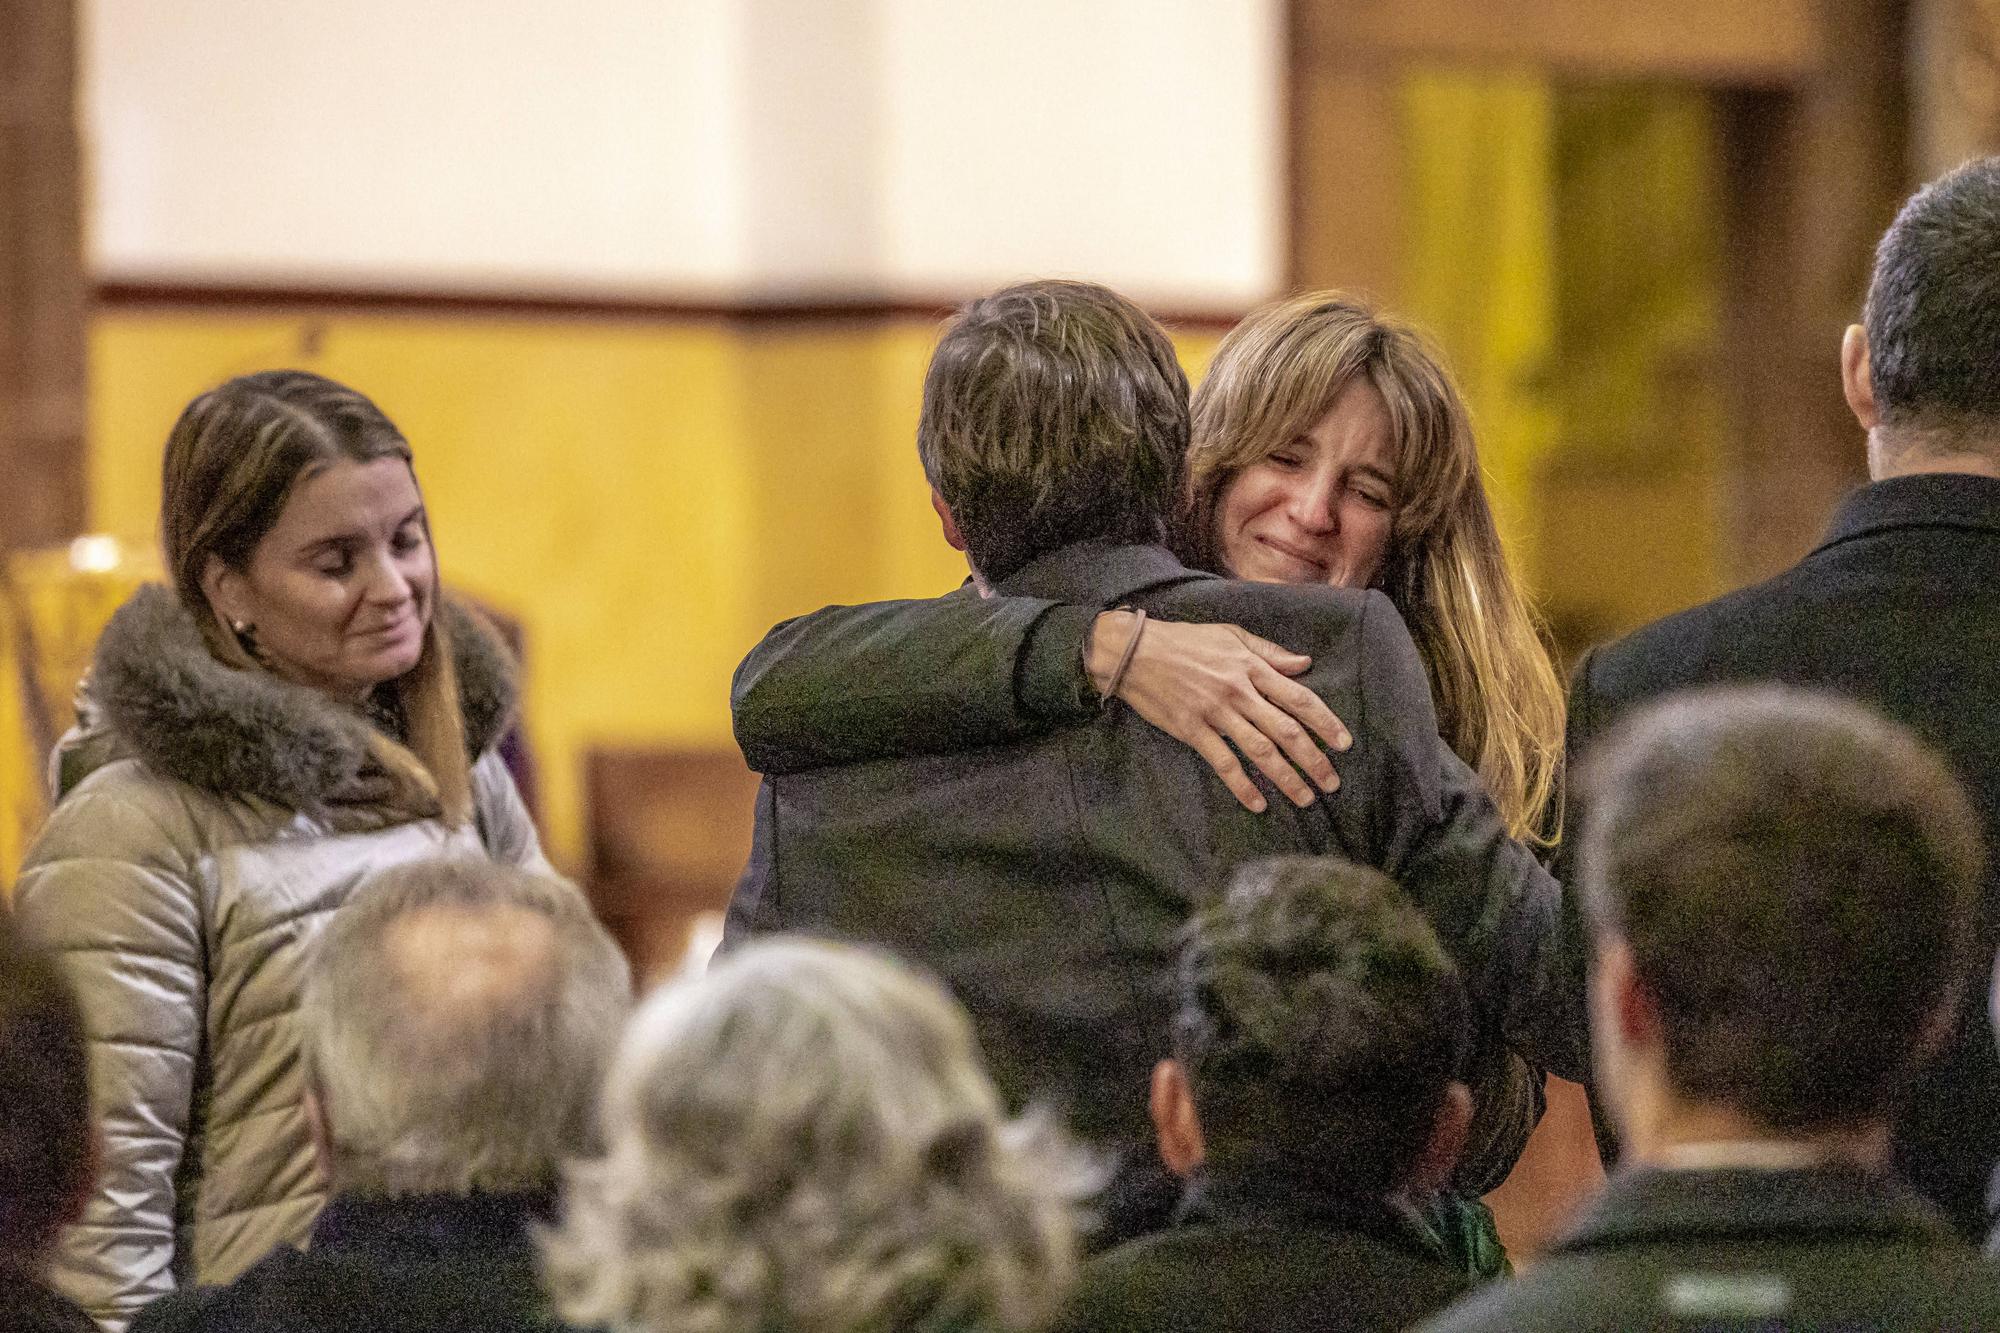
(209, 821)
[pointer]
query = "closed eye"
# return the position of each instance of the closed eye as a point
(1374, 489)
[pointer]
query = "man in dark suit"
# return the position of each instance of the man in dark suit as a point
(1780, 887)
(457, 1021)
(47, 1146)
(1899, 607)
(1044, 880)
(1311, 1096)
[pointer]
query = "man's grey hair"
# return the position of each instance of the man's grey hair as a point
(806, 1139)
(458, 1017)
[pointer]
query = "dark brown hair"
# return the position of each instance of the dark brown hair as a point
(1795, 878)
(1933, 314)
(1054, 412)
(1320, 1022)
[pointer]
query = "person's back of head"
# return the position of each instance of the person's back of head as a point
(458, 1017)
(805, 1138)
(1933, 323)
(1318, 1038)
(46, 1139)
(1781, 885)
(1054, 412)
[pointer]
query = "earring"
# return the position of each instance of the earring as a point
(246, 638)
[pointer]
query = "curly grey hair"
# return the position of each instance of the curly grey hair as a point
(458, 1017)
(806, 1139)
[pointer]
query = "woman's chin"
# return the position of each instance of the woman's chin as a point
(390, 664)
(1272, 567)
(1293, 573)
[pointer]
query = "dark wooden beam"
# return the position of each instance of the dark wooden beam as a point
(1346, 210)
(42, 291)
(1772, 42)
(1813, 178)
(1955, 82)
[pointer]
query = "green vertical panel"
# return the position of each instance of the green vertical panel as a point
(1629, 494)
(1479, 263)
(1561, 244)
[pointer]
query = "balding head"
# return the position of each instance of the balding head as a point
(457, 1021)
(456, 962)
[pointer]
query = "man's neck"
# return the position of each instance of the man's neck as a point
(1694, 1135)
(1889, 457)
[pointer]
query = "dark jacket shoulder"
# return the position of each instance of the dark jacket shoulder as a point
(420, 1265)
(1897, 607)
(1901, 559)
(1243, 1263)
(1727, 1250)
(1075, 855)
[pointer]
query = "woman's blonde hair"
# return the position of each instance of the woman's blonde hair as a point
(232, 461)
(1499, 699)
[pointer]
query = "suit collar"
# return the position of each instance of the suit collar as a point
(1922, 500)
(1097, 573)
(1649, 1206)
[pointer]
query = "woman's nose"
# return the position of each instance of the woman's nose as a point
(1311, 504)
(386, 581)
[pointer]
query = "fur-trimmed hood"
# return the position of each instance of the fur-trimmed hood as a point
(156, 693)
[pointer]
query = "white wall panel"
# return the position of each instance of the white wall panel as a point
(911, 149)
(452, 142)
(1134, 141)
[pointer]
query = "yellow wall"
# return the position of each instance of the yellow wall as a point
(646, 497)
(1578, 304)
(1485, 289)
(20, 784)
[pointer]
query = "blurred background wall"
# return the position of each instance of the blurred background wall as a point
(650, 286)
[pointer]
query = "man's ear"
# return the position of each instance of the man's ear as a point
(1434, 1165)
(1174, 1119)
(951, 533)
(1854, 377)
(1627, 1003)
(1993, 1001)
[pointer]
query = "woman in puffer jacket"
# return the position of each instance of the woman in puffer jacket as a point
(302, 709)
